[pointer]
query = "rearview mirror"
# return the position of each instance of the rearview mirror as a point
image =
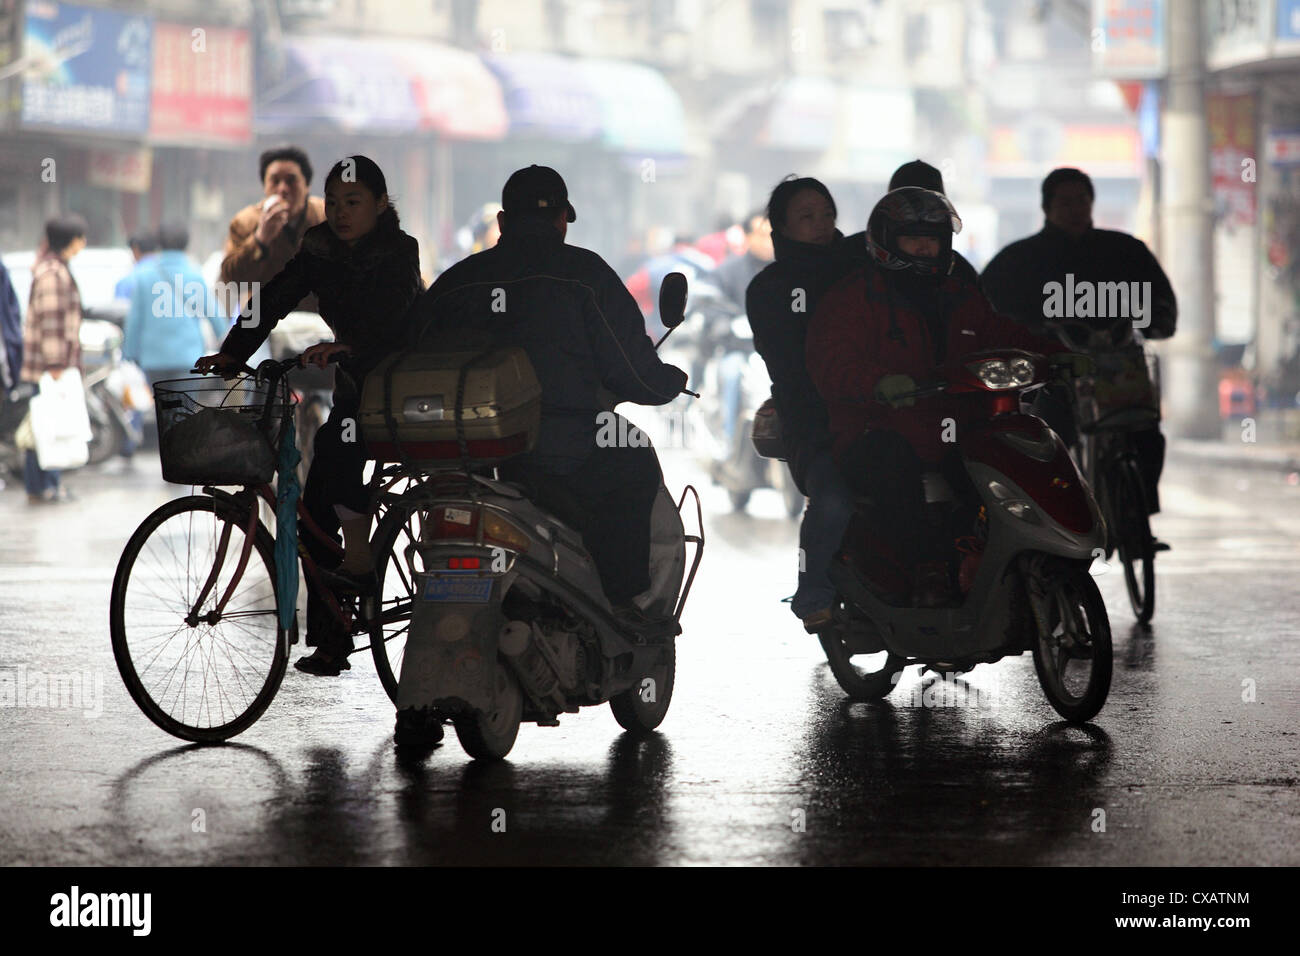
(672, 300)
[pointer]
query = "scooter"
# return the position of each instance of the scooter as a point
(1024, 575)
(509, 622)
(117, 393)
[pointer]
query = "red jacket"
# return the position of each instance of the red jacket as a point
(850, 348)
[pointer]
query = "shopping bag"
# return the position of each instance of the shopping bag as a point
(60, 423)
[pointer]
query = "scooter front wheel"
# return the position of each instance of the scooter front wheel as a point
(1073, 656)
(491, 736)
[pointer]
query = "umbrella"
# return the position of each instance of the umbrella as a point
(286, 528)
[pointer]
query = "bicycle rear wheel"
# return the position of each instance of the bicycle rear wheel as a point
(1135, 544)
(197, 675)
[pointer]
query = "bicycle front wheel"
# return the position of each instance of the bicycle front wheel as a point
(198, 674)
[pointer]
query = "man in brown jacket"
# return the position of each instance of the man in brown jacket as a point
(263, 237)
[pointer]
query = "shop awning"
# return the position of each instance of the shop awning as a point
(640, 112)
(796, 113)
(339, 81)
(547, 96)
(455, 94)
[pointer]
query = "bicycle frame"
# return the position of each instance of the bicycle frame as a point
(245, 499)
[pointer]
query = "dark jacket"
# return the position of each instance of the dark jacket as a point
(1014, 279)
(780, 323)
(868, 326)
(573, 316)
(11, 332)
(365, 292)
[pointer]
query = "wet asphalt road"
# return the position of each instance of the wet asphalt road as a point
(760, 761)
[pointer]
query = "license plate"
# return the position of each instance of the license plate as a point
(457, 588)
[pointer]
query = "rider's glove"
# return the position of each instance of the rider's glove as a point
(891, 387)
(1076, 364)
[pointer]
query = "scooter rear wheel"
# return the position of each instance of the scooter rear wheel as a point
(1078, 632)
(642, 707)
(871, 678)
(491, 736)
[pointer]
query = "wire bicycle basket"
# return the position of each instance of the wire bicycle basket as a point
(217, 432)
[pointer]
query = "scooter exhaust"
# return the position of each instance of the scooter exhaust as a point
(532, 668)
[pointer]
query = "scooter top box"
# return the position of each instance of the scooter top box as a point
(500, 407)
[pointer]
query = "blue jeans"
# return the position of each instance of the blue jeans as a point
(37, 480)
(830, 506)
(729, 372)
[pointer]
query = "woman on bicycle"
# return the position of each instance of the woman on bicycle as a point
(366, 273)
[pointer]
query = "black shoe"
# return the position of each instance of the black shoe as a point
(322, 664)
(1158, 545)
(648, 629)
(417, 728)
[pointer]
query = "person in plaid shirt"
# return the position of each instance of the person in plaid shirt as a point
(52, 331)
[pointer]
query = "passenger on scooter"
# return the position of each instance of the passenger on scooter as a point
(583, 332)
(365, 271)
(876, 334)
(811, 255)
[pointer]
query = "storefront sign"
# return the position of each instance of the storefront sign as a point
(90, 68)
(202, 84)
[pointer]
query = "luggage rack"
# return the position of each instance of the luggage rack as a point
(695, 539)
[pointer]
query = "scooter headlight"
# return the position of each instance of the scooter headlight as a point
(1000, 374)
(994, 373)
(1022, 371)
(1017, 507)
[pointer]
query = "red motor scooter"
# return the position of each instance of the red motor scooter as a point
(1024, 577)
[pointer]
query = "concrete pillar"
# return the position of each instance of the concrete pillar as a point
(1190, 378)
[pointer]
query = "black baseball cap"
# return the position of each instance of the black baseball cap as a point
(534, 191)
(917, 173)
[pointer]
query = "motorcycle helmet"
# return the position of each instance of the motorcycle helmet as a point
(912, 211)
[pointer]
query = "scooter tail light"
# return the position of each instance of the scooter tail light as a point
(451, 521)
(500, 531)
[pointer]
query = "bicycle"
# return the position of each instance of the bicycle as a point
(1121, 397)
(195, 615)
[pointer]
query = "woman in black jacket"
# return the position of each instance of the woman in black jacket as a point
(811, 255)
(366, 273)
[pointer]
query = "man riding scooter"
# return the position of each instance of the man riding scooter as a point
(582, 332)
(875, 335)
